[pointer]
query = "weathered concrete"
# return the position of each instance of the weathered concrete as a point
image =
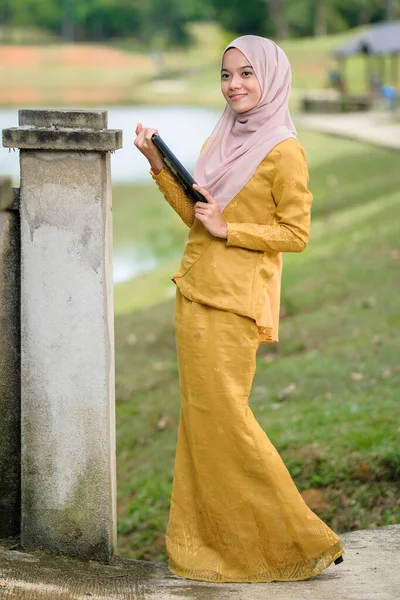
(10, 363)
(32, 138)
(77, 130)
(78, 119)
(9, 197)
(67, 337)
(370, 571)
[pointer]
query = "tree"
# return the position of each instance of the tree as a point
(253, 20)
(320, 18)
(392, 10)
(276, 12)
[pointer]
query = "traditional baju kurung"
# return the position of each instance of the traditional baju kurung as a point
(236, 514)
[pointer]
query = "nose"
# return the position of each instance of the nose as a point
(235, 82)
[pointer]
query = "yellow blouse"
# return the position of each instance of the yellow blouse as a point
(270, 215)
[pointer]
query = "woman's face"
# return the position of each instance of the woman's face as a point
(239, 84)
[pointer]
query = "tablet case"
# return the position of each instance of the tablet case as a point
(183, 176)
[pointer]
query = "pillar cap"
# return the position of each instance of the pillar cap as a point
(64, 129)
(65, 118)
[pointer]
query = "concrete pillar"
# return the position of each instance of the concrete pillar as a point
(67, 332)
(10, 368)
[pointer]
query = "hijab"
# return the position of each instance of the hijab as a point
(240, 142)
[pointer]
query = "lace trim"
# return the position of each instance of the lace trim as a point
(264, 237)
(304, 569)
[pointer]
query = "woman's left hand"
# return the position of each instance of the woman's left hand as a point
(210, 215)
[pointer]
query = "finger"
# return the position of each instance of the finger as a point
(139, 128)
(138, 141)
(150, 133)
(204, 193)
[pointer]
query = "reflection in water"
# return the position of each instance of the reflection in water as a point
(127, 265)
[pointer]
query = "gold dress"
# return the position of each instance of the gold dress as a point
(236, 514)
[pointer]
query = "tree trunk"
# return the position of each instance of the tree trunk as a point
(392, 10)
(276, 12)
(68, 23)
(320, 18)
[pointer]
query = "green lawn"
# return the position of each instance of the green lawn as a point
(327, 395)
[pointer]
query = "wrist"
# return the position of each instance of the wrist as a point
(224, 230)
(156, 166)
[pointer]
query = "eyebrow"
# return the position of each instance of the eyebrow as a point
(244, 67)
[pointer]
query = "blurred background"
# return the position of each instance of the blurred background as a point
(328, 395)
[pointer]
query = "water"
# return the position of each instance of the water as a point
(183, 128)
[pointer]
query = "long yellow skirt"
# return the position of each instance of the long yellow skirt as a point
(236, 514)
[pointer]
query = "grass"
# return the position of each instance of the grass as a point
(327, 395)
(121, 74)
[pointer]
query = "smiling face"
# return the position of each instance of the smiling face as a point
(239, 84)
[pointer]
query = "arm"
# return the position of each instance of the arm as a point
(169, 187)
(289, 180)
(175, 195)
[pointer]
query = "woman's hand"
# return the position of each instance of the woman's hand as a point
(209, 214)
(144, 144)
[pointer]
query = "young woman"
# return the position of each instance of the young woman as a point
(236, 514)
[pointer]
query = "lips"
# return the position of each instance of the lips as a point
(236, 97)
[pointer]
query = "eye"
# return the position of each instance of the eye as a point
(224, 75)
(247, 73)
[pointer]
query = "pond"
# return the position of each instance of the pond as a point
(183, 128)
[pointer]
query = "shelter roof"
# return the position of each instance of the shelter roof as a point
(382, 38)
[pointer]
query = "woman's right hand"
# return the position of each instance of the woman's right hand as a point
(144, 144)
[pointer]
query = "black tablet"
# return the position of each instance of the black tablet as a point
(183, 176)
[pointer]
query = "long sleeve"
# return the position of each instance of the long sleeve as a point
(175, 195)
(289, 179)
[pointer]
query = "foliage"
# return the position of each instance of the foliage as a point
(160, 23)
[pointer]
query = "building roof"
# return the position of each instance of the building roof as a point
(382, 38)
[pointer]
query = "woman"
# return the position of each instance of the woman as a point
(236, 514)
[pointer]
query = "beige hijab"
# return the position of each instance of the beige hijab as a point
(240, 142)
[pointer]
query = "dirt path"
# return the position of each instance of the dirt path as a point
(375, 128)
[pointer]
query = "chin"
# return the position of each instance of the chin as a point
(238, 109)
(241, 109)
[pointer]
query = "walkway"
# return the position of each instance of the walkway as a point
(376, 128)
(370, 571)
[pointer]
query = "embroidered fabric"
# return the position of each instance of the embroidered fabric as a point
(175, 195)
(264, 237)
(236, 514)
(271, 214)
(239, 234)
(300, 570)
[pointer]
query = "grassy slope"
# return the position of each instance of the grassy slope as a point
(338, 429)
(56, 75)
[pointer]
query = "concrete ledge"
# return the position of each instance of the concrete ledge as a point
(10, 364)
(89, 119)
(57, 138)
(6, 196)
(370, 571)
(15, 200)
(9, 197)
